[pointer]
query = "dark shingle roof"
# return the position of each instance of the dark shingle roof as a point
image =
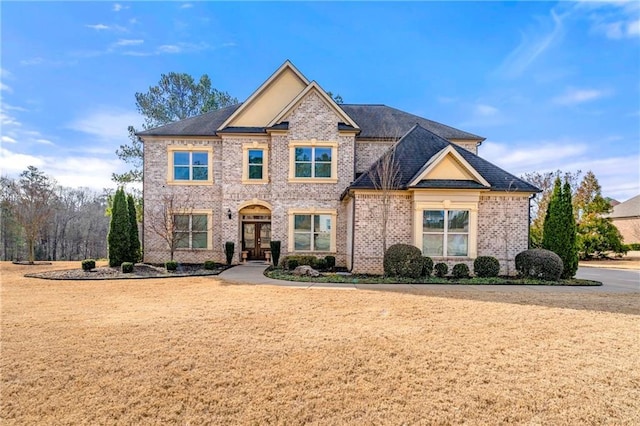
(381, 121)
(630, 208)
(201, 125)
(375, 121)
(419, 145)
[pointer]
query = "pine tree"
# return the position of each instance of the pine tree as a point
(559, 230)
(119, 231)
(134, 240)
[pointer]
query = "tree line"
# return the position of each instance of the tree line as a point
(45, 221)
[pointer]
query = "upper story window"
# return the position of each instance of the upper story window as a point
(313, 161)
(255, 162)
(189, 165)
(445, 232)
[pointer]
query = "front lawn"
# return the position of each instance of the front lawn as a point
(281, 274)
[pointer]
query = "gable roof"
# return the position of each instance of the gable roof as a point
(448, 152)
(381, 121)
(314, 87)
(629, 208)
(419, 146)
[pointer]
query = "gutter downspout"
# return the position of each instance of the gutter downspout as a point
(353, 232)
(529, 222)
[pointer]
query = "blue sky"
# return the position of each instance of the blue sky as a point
(550, 85)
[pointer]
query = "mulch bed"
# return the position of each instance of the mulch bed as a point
(140, 271)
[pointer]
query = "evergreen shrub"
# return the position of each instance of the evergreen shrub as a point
(88, 264)
(460, 270)
(539, 263)
(486, 266)
(427, 266)
(127, 267)
(171, 265)
(229, 248)
(403, 260)
(275, 252)
(441, 269)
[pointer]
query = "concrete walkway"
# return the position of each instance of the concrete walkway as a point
(252, 273)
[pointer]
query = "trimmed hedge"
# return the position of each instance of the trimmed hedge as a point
(210, 264)
(427, 266)
(441, 269)
(171, 265)
(229, 248)
(539, 263)
(486, 266)
(292, 264)
(403, 260)
(275, 252)
(460, 270)
(88, 264)
(127, 267)
(301, 260)
(331, 262)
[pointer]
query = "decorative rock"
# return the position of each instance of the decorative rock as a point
(306, 270)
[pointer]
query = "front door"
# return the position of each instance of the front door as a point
(256, 239)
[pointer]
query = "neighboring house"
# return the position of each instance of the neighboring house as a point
(626, 217)
(290, 164)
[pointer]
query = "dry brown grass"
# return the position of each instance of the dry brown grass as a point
(193, 351)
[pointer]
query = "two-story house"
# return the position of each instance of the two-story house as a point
(290, 164)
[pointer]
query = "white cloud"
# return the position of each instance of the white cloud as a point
(186, 6)
(535, 41)
(117, 7)
(616, 20)
(32, 61)
(169, 48)
(12, 162)
(5, 88)
(44, 141)
(7, 139)
(485, 110)
(128, 42)
(618, 176)
(633, 28)
(107, 124)
(98, 27)
(578, 96)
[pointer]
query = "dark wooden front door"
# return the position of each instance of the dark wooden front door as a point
(256, 239)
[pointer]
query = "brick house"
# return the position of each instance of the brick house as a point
(290, 164)
(626, 217)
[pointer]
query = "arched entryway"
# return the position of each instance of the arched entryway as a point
(255, 228)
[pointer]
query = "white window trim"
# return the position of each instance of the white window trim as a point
(447, 205)
(190, 213)
(312, 211)
(445, 233)
(245, 163)
(313, 144)
(191, 149)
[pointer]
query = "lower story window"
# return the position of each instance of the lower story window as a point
(191, 231)
(312, 232)
(445, 232)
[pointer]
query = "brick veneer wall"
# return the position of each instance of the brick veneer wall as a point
(312, 118)
(503, 221)
(629, 228)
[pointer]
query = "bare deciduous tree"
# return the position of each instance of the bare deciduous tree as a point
(164, 220)
(385, 177)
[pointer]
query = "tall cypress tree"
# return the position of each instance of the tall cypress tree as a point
(570, 258)
(119, 230)
(559, 230)
(134, 240)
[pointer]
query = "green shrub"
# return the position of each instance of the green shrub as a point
(331, 262)
(229, 248)
(441, 269)
(275, 252)
(539, 263)
(486, 266)
(292, 264)
(403, 260)
(171, 265)
(427, 266)
(210, 264)
(633, 247)
(127, 267)
(321, 265)
(301, 260)
(118, 240)
(460, 270)
(88, 264)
